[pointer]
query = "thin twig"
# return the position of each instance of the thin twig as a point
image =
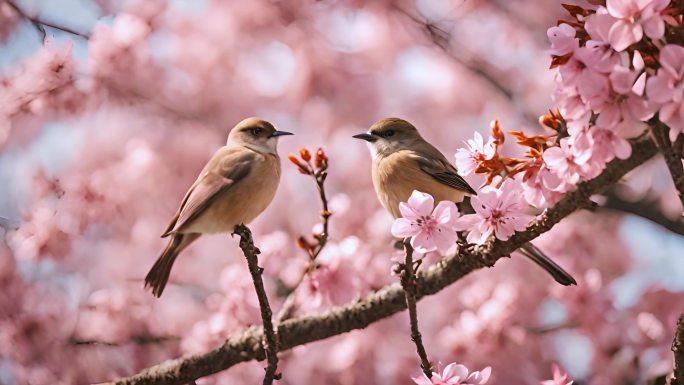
(444, 40)
(390, 299)
(137, 340)
(410, 286)
(40, 24)
(645, 208)
(678, 350)
(270, 340)
(319, 172)
(672, 159)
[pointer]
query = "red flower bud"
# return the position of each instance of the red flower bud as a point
(305, 154)
(300, 166)
(321, 161)
(497, 134)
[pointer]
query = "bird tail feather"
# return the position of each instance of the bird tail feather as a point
(537, 256)
(160, 272)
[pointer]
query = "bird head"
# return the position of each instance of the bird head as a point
(256, 134)
(390, 135)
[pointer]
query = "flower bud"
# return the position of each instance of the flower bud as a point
(305, 154)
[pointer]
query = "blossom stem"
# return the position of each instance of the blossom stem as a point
(289, 304)
(410, 286)
(270, 340)
(672, 159)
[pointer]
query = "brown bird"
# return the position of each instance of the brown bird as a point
(403, 162)
(237, 184)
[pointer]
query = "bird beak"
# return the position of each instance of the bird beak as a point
(366, 136)
(277, 133)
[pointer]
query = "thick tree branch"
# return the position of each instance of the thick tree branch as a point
(410, 286)
(40, 24)
(678, 350)
(672, 159)
(390, 299)
(270, 340)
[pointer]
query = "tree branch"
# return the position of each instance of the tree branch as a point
(672, 159)
(644, 208)
(40, 24)
(678, 350)
(390, 299)
(270, 341)
(409, 284)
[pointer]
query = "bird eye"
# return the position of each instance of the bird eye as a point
(256, 131)
(388, 133)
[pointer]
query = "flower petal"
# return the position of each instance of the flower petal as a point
(402, 228)
(421, 203)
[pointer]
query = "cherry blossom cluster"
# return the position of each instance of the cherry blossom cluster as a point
(498, 211)
(619, 65)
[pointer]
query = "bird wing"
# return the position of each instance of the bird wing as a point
(440, 169)
(226, 168)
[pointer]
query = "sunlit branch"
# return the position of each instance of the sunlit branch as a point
(390, 299)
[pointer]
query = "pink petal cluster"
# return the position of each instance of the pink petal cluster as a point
(429, 230)
(500, 212)
(456, 374)
(634, 18)
(467, 159)
(666, 89)
(563, 40)
(559, 378)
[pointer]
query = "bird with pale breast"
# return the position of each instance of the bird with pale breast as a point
(403, 162)
(235, 186)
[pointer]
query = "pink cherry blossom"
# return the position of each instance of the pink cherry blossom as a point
(559, 378)
(607, 143)
(635, 17)
(497, 211)
(455, 374)
(535, 183)
(598, 53)
(566, 162)
(429, 230)
(563, 40)
(666, 88)
(467, 159)
(625, 103)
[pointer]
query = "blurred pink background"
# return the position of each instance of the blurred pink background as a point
(100, 138)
